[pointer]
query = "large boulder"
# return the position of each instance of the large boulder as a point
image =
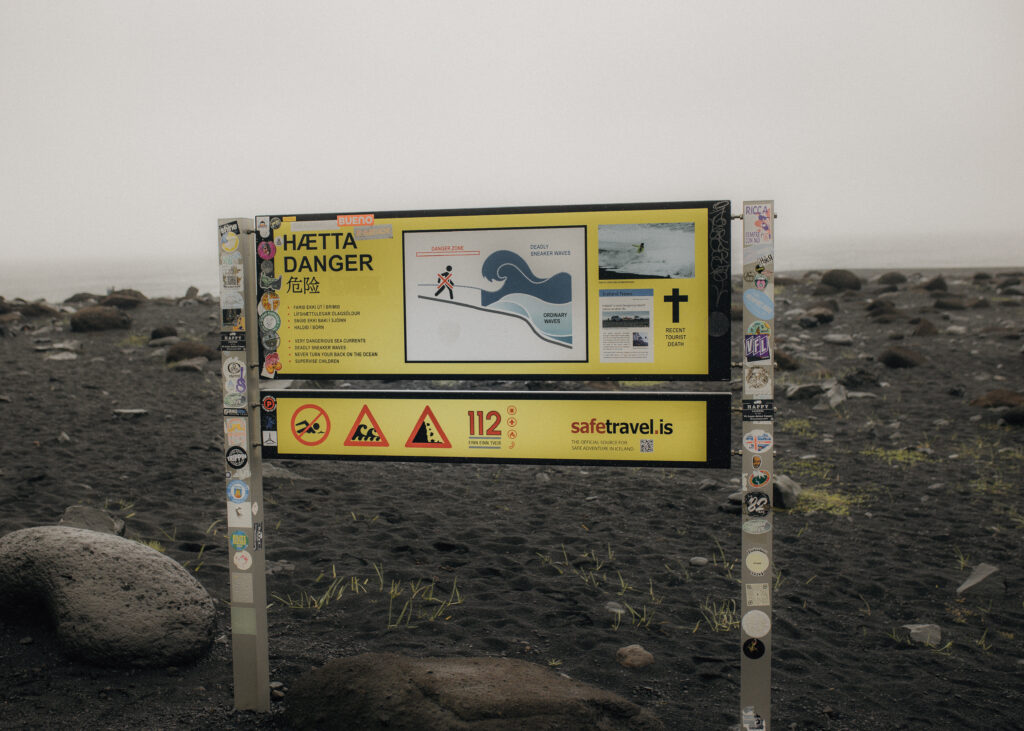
(92, 319)
(385, 691)
(112, 601)
(841, 279)
(190, 350)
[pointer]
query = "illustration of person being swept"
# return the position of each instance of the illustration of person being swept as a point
(444, 280)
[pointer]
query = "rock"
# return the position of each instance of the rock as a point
(37, 309)
(699, 561)
(1013, 416)
(928, 634)
(129, 413)
(188, 349)
(824, 290)
(785, 361)
(633, 656)
(111, 600)
(925, 328)
(892, 278)
(838, 339)
(121, 300)
(950, 303)
(979, 303)
(823, 315)
(93, 319)
(387, 691)
(808, 322)
(841, 279)
(879, 307)
(804, 391)
(981, 277)
(956, 330)
(80, 298)
(999, 397)
(63, 355)
(191, 293)
(785, 492)
(835, 395)
(936, 284)
(164, 331)
(859, 379)
(83, 516)
(189, 364)
(164, 342)
(981, 572)
(901, 358)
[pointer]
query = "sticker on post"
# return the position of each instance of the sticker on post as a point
(754, 649)
(756, 623)
(757, 504)
(757, 441)
(757, 561)
(238, 540)
(239, 515)
(242, 560)
(238, 491)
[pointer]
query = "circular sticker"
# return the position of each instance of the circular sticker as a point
(759, 478)
(759, 327)
(269, 403)
(757, 377)
(270, 340)
(275, 223)
(757, 441)
(236, 457)
(270, 301)
(761, 282)
(266, 267)
(270, 321)
(238, 540)
(756, 623)
(756, 526)
(263, 226)
(243, 560)
(753, 648)
(266, 249)
(238, 491)
(229, 241)
(758, 504)
(756, 562)
(255, 508)
(272, 363)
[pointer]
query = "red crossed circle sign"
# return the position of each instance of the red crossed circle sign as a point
(310, 424)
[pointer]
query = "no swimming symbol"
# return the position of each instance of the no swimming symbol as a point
(310, 424)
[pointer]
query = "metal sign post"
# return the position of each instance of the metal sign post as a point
(244, 488)
(758, 449)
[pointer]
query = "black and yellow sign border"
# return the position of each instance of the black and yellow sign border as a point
(717, 432)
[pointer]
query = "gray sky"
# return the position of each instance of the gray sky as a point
(888, 133)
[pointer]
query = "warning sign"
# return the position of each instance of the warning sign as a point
(366, 432)
(428, 432)
(310, 424)
(505, 426)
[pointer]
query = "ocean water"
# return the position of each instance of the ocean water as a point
(57, 280)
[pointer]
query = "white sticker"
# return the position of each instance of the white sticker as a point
(243, 560)
(239, 515)
(757, 562)
(756, 623)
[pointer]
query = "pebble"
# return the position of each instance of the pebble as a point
(633, 656)
(698, 561)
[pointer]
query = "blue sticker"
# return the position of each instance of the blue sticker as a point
(238, 540)
(759, 304)
(238, 491)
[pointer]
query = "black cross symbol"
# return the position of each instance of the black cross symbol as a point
(675, 298)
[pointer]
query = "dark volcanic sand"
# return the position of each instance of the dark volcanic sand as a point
(891, 522)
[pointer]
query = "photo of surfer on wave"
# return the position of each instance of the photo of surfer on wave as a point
(646, 251)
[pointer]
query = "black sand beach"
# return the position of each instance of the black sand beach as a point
(909, 482)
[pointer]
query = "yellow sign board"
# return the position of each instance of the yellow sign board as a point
(633, 291)
(661, 429)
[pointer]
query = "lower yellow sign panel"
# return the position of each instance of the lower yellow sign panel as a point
(658, 429)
